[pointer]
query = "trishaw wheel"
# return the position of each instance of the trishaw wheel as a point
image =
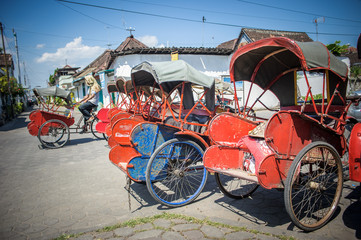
(344, 159)
(175, 174)
(233, 187)
(96, 134)
(313, 186)
(53, 133)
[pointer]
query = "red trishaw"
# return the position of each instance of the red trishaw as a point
(117, 101)
(52, 122)
(299, 148)
(165, 147)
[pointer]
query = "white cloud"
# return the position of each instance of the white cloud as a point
(41, 45)
(150, 41)
(73, 51)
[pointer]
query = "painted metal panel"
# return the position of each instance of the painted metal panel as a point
(355, 153)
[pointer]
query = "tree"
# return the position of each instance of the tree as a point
(337, 49)
(52, 81)
(355, 78)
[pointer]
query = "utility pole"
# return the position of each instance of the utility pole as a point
(17, 55)
(25, 83)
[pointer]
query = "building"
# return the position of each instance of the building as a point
(210, 61)
(64, 76)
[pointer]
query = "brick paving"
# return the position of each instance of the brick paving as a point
(75, 189)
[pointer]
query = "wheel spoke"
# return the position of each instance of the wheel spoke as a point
(181, 178)
(313, 186)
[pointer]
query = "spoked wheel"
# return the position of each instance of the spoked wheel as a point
(54, 133)
(175, 173)
(313, 186)
(344, 159)
(233, 187)
(96, 134)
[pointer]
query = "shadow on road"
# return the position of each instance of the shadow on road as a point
(352, 214)
(19, 122)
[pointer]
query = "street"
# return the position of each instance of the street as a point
(45, 193)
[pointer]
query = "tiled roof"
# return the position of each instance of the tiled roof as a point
(181, 50)
(258, 34)
(231, 44)
(254, 34)
(130, 43)
(99, 64)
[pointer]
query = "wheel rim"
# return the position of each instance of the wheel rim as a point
(176, 174)
(94, 131)
(315, 188)
(235, 187)
(53, 134)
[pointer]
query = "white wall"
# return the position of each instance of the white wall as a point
(211, 65)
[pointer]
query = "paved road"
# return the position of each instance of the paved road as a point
(45, 193)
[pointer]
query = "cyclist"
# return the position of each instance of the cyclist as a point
(90, 101)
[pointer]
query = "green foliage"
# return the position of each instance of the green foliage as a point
(315, 97)
(19, 107)
(355, 71)
(337, 49)
(52, 78)
(15, 88)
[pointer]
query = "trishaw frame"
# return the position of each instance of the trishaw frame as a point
(274, 153)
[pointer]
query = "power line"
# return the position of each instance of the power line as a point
(297, 11)
(95, 19)
(181, 19)
(230, 13)
(57, 36)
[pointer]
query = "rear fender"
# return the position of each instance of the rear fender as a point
(355, 153)
(194, 137)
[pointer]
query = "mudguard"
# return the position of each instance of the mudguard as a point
(355, 153)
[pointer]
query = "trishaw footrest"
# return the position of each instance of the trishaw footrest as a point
(237, 173)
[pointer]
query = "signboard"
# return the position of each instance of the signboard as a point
(174, 56)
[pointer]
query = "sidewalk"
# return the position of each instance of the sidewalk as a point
(46, 194)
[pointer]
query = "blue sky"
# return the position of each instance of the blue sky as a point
(52, 33)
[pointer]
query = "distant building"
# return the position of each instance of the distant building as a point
(64, 76)
(248, 35)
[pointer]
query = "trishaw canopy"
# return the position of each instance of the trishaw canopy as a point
(169, 74)
(112, 87)
(271, 64)
(53, 91)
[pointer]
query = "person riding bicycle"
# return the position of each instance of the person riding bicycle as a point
(90, 101)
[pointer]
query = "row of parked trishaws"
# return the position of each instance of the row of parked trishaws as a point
(168, 126)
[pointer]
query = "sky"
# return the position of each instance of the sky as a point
(53, 33)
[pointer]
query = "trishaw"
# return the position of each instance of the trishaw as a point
(124, 105)
(103, 113)
(167, 152)
(299, 148)
(136, 105)
(52, 122)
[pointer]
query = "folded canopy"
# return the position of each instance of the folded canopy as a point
(168, 74)
(53, 91)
